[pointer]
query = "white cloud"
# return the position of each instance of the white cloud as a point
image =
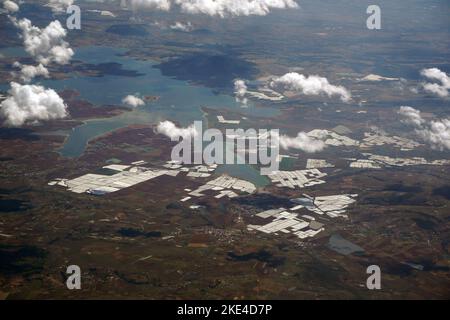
(104, 13)
(221, 8)
(180, 26)
(412, 116)
(10, 6)
(302, 142)
(435, 132)
(441, 89)
(133, 101)
(170, 130)
(45, 45)
(31, 103)
(240, 90)
(309, 85)
(163, 5)
(27, 72)
(60, 5)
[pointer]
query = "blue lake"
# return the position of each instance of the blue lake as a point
(179, 101)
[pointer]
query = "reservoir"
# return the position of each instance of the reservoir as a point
(179, 101)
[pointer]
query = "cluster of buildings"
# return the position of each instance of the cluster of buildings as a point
(378, 139)
(290, 221)
(221, 119)
(284, 221)
(201, 171)
(318, 164)
(374, 161)
(333, 206)
(297, 178)
(332, 138)
(337, 137)
(225, 186)
(364, 164)
(118, 177)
